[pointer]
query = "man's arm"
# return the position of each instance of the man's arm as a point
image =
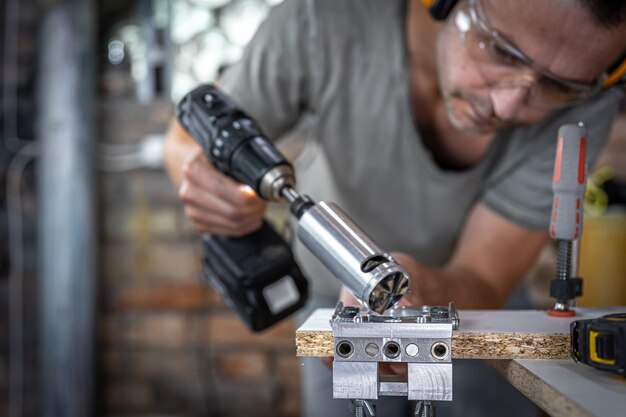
(491, 257)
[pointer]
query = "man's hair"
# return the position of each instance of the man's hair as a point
(609, 13)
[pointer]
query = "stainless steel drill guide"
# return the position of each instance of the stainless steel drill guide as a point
(420, 337)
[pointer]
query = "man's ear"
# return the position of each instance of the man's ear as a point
(616, 74)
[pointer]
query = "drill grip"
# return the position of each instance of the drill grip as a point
(229, 137)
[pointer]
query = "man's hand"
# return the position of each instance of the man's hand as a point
(215, 203)
(346, 297)
(414, 270)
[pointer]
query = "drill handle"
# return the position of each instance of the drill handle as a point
(229, 137)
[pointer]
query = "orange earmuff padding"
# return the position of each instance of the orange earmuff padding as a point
(616, 75)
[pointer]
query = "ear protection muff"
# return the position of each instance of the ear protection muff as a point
(439, 9)
(617, 74)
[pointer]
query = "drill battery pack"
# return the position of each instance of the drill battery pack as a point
(256, 276)
(600, 342)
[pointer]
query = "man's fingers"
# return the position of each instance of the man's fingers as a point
(218, 231)
(216, 203)
(201, 173)
(192, 194)
(226, 230)
(346, 297)
(201, 216)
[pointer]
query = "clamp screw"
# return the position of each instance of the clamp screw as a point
(425, 409)
(362, 408)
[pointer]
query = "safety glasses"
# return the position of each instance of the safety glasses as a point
(504, 65)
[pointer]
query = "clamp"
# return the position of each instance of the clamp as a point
(566, 223)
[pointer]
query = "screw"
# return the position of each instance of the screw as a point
(425, 409)
(362, 408)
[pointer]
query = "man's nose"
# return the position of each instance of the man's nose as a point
(508, 101)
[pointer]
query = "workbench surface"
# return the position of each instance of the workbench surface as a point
(536, 348)
(564, 388)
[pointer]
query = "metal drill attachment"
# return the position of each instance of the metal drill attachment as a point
(372, 275)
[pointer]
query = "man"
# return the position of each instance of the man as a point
(438, 139)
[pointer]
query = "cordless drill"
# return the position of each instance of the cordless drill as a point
(256, 274)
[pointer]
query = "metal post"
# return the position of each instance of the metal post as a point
(67, 220)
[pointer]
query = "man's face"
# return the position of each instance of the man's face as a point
(558, 36)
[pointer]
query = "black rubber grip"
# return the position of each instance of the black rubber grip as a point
(230, 138)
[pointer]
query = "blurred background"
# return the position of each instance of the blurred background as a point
(102, 310)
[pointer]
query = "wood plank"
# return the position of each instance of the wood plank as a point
(483, 334)
(563, 388)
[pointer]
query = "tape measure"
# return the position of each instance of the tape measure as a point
(600, 342)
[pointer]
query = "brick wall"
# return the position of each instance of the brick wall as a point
(167, 345)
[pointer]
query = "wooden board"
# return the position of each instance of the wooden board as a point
(483, 334)
(563, 388)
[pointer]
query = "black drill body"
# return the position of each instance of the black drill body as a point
(256, 275)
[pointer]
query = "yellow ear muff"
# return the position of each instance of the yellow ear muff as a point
(616, 75)
(439, 9)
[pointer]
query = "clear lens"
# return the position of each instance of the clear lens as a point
(503, 65)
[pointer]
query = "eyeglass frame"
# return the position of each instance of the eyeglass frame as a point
(580, 90)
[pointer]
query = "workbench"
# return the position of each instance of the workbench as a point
(527, 347)
(563, 388)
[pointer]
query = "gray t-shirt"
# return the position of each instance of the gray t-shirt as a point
(345, 62)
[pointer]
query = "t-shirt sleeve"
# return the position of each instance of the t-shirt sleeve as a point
(520, 187)
(271, 82)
